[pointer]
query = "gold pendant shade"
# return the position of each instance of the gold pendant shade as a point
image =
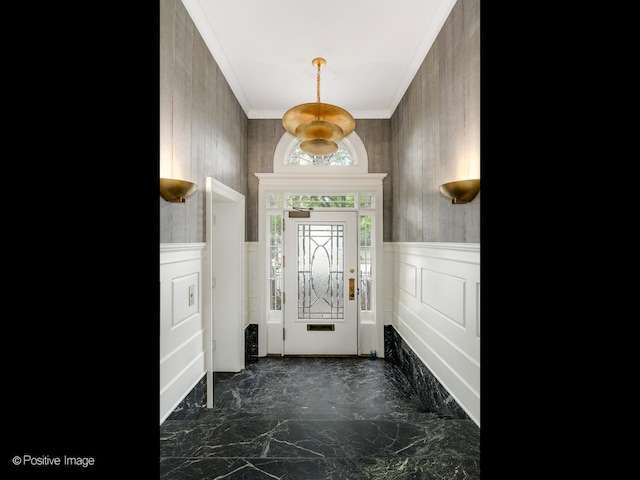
(318, 125)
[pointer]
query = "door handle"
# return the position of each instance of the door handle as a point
(352, 295)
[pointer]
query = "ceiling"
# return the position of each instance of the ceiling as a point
(373, 49)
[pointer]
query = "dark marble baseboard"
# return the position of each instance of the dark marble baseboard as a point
(195, 400)
(251, 343)
(432, 394)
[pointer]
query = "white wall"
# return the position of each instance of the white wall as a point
(436, 310)
(182, 362)
(253, 289)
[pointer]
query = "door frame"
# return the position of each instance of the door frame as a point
(371, 328)
(224, 282)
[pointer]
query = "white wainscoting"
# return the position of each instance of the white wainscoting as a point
(387, 289)
(253, 298)
(182, 360)
(436, 310)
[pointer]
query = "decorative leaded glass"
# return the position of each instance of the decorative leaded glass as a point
(367, 200)
(366, 262)
(274, 200)
(321, 201)
(320, 271)
(341, 157)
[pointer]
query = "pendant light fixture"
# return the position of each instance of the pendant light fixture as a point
(318, 125)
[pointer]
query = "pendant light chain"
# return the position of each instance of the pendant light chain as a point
(318, 84)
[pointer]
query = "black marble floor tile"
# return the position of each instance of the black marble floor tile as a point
(307, 418)
(369, 468)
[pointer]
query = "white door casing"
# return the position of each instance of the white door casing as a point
(224, 281)
(270, 321)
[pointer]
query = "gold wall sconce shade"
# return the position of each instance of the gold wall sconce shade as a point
(176, 191)
(318, 125)
(462, 191)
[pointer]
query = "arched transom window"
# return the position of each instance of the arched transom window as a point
(341, 157)
(351, 156)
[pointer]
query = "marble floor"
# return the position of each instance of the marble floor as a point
(317, 418)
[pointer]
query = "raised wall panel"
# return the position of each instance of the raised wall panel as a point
(178, 320)
(186, 298)
(407, 278)
(444, 293)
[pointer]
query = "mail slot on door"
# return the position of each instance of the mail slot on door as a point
(323, 327)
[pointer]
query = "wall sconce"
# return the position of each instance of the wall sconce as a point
(462, 191)
(176, 191)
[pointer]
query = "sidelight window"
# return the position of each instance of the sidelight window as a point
(365, 254)
(275, 262)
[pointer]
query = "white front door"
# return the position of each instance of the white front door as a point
(321, 284)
